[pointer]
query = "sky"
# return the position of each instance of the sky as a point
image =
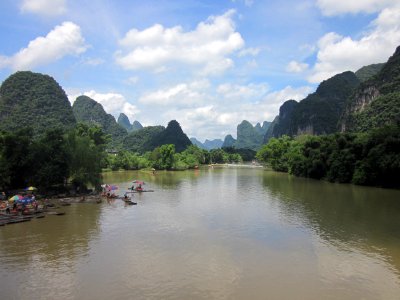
(209, 64)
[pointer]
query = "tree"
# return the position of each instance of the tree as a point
(16, 159)
(275, 152)
(163, 157)
(50, 160)
(86, 151)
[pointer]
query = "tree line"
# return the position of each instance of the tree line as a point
(165, 157)
(52, 160)
(75, 158)
(369, 158)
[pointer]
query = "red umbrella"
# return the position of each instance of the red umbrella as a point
(138, 182)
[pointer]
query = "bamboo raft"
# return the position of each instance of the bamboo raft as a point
(6, 219)
(11, 219)
(143, 191)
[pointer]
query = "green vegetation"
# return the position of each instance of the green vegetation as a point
(361, 158)
(229, 141)
(248, 137)
(34, 100)
(319, 112)
(368, 72)
(173, 134)
(138, 141)
(165, 157)
(244, 154)
(87, 110)
(53, 159)
(376, 101)
(124, 122)
(382, 111)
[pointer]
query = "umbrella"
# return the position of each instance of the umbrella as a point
(25, 200)
(31, 188)
(112, 188)
(138, 182)
(15, 198)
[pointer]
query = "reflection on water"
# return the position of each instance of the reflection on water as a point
(220, 233)
(38, 258)
(362, 217)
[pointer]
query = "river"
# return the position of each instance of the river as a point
(220, 233)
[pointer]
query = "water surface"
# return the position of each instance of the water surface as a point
(222, 233)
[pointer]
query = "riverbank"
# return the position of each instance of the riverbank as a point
(76, 199)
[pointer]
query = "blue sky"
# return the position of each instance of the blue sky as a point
(207, 64)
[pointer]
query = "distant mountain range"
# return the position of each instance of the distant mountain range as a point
(124, 122)
(87, 110)
(207, 145)
(359, 101)
(249, 137)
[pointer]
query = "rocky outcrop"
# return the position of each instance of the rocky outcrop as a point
(362, 112)
(229, 141)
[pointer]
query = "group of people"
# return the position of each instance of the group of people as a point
(25, 205)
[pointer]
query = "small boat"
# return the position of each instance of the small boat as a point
(130, 203)
(56, 213)
(140, 191)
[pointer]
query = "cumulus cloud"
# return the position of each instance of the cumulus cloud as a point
(44, 7)
(337, 7)
(133, 80)
(248, 3)
(207, 47)
(65, 39)
(183, 94)
(206, 111)
(338, 53)
(93, 61)
(296, 67)
(113, 103)
(249, 51)
(234, 92)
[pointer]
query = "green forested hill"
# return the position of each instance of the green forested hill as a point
(34, 100)
(138, 140)
(248, 137)
(136, 126)
(229, 141)
(173, 134)
(376, 102)
(88, 111)
(319, 112)
(368, 72)
(124, 122)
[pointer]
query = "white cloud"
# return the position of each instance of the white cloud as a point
(94, 61)
(183, 94)
(248, 3)
(249, 51)
(206, 48)
(337, 7)
(210, 112)
(113, 103)
(63, 40)
(338, 53)
(133, 80)
(242, 92)
(44, 7)
(296, 67)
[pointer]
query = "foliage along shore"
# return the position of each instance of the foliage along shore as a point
(58, 159)
(370, 158)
